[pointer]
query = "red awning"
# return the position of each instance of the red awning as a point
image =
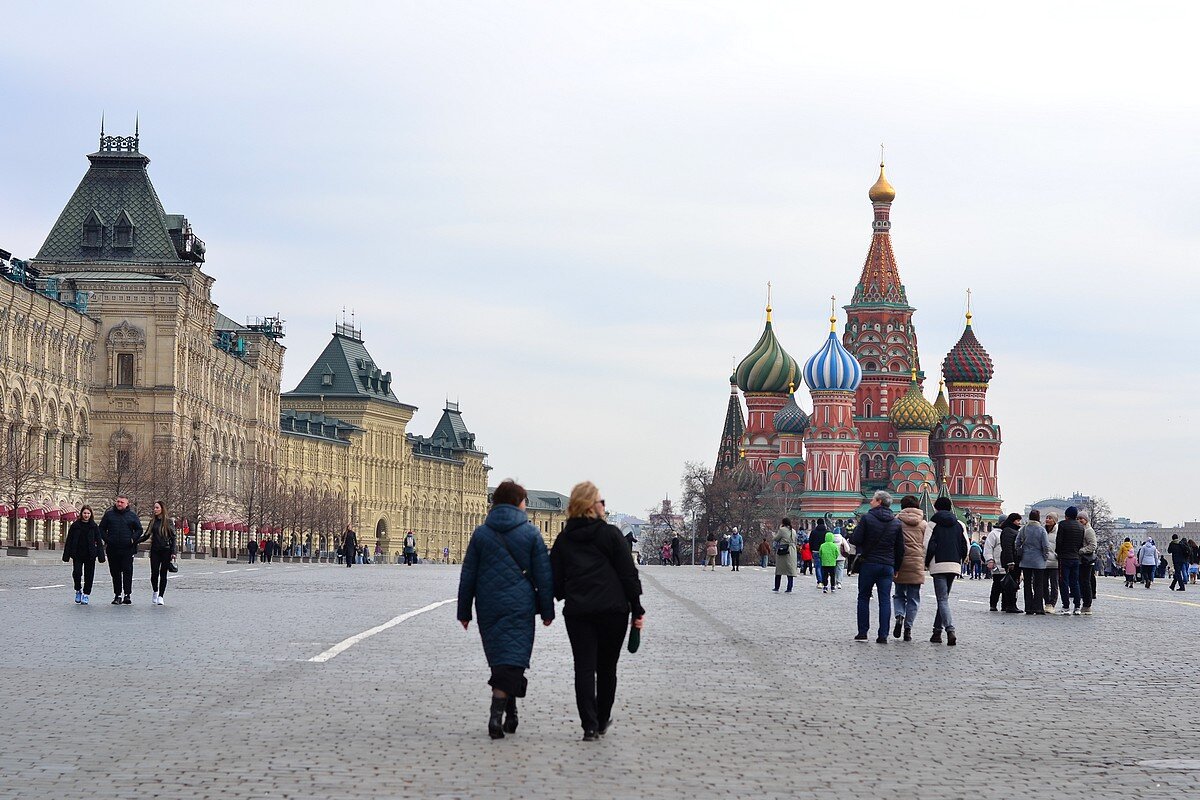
(54, 513)
(22, 512)
(71, 516)
(37, 513)
(5, 510)
(206, 526)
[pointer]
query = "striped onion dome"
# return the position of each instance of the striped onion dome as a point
(791, 419)
(940, 405)
(745, 478)
(768, 368)
(967, 361)
(913, 412)
(832, 368)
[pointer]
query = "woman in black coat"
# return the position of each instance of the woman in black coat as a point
(162, 551)
(595, 575)
(83, 547)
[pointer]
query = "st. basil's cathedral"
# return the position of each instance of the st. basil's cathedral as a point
(871, 426)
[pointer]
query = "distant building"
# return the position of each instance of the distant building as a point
(546, 510)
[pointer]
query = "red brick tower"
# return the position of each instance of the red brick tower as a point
(880, 334)
(764, 377)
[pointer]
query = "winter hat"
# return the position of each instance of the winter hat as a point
(1072, 512)
(943, 504)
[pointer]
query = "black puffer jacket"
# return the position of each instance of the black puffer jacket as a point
(122, 530)
(1008, 544)
(879, 538)
(161, 536)
(1070, 539)
(594, 571)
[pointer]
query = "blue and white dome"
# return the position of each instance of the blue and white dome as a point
(832, 368)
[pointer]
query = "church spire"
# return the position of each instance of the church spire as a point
(731, 435)
(880, 280)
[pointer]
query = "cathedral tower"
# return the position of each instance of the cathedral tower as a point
(832, 442)
(764, 377)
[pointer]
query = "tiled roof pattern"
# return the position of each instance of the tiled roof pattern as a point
(341, 359)
(967, 361)
(880, 279)
(451, 431)
(114, 183)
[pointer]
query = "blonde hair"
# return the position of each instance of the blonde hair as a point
(583, 497)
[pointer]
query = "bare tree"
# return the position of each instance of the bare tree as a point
(21, 470)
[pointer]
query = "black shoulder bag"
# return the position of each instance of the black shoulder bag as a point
(859, 557)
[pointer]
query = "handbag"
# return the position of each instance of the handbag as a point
(854, 566)
(635, 638)
(783, 548)
(171, 567)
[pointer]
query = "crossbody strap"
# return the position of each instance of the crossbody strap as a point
(517, 564)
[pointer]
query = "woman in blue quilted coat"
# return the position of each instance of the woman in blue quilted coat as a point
(506, 574)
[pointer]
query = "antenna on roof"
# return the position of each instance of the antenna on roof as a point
(101, 124)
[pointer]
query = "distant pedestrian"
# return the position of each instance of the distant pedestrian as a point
(710, 552)
(121, 530)
(1147, 556)
(666, 554)
(1178, 550)
(1050, 575)
(83, 548)
(598, 582)
(349, 545)
(410, 549)
(506, 577)
(1070, 539)
(1124, 550)
(675, 554)
(723, 548)
(785, 554)
(1005, 572)
(910, 577)
(806, 558)
(829, 556)
(975, 557)
(736, 545)
(162, 551)
(764, 552)
(252, 549)
(1131, 568)
(946, 547)
(815, 540)
(1087, 565)
(880, 543)
(1033, 551)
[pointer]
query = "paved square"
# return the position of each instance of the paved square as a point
(736, 692)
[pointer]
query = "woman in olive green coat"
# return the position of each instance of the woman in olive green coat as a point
(785, 562)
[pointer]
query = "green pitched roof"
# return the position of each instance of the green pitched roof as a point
(345, 369)
(117, 188)
(451, 430)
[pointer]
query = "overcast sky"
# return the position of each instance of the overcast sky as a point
(565, 215)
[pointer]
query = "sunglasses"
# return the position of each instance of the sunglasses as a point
(601, 502)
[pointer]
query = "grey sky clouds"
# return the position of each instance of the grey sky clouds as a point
(565, 214)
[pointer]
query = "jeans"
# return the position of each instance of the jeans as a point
(790, 579)
(819, 570)
(596, 644)
(1069, 581)
(941, 589)
(907, 597)
(1050, 590)
(878, 577)
(762, 562)
(84, 568)
(838, 571)
(120, 566)
(1035, 588)
(724, 558)
(159, 561)
(736, 557)
(1181, 575)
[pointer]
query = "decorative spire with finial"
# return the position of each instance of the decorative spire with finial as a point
(832, 313)
(768, 301)
(881, 191)
(968, 308)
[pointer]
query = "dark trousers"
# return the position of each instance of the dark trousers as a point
(1035, 588)
(1069, 585)
(120, 566)
(736, 555)
(1087, 582)
(1005, 590)
(596, 641)
(1147, 571)
(790, 579)
(159, 561)
(1050, 591)
(84, 568)
(253, 555)
(1181, 576)
(409, 558)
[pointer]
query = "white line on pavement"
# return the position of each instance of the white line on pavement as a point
(346, 644)
(55, 586)
(200, 573)
(226, 571)
(251, 569)
(1151, 600)
(979, 602)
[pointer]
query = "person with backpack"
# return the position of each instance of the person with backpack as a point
(83, 548)
(410, 549)
(785, 553)
(946, 546)
(975, 556)
(506, 576)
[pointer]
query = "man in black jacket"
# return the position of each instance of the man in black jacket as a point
(121, 530)
(880, 541)
(349, 546)
(1178, 550)
(1070, 539)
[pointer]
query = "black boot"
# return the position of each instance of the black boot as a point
(907, 634)
(496, 719)
(510, 715)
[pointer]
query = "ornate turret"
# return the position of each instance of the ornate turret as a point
(744, 476)
(940, 405)
(731, 435)
(913, 412)
(832, 368)
(768, 367)
(967, 361)
(791, 419)
(881, 191)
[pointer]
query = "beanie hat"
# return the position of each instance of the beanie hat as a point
(943, 504)
(1072, 512)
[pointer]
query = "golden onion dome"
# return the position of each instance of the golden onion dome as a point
(882, 191)
(913, 412)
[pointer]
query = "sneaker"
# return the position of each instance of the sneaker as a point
(1076, 612)
(862, 637)
(154, 598)
(1048, 609)
(116, 600)
(84, 600)
(79, 597)
(1087, 612)
(127, 601)
(1066, 612)
(898, 627)
(161, 601)
(824, 590)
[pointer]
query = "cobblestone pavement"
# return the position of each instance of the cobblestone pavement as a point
(737, 692)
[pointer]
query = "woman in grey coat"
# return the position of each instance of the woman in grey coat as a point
(1033, 548)
(785, 554)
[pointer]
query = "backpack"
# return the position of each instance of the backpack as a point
(976, 552)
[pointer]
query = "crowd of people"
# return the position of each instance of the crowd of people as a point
(509, 579)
